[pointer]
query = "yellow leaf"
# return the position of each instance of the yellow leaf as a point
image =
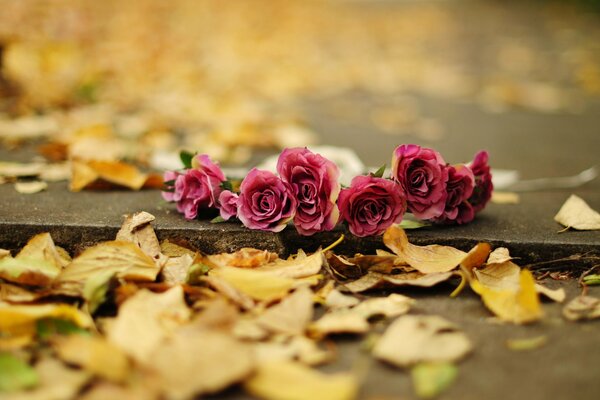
(259, 285)
(85, 173)
(339, 321)
(299, 266)
(285, 380)
(21, 319)
(145, 320)
(137, 229)
(425, 259)
(94, 354)
(517, 306)
(243, 258)
(291, 315)
(577, 214)
(374, 280)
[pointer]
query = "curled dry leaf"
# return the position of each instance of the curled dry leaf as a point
(375, 280)
(145, 320)
(259, 285)
(298, 266)
(176, 269)
(203, 362)
(243, 258)
(390, 306)
(85, 174)
(31, 187)
(126, 259)
(412, 339)
(425, 259)
(575, 213)
(16, 294)
(298, 348)
(137, 229)
(582, 308)
(293, 381)
(93, 354)
(20, 320)
(499, 255)
(291, 315)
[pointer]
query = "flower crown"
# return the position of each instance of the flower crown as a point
(306, 190)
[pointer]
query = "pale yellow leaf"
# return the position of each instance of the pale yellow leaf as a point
(499, 255)
(16, 294)
(575, 213)
(31, 187)
(374, 280)
(413, 339)
(527, 344)
(559, 295)
(230, 292)
(137, 229)
(207, 361)
(21, 319)
(145, 320)
(243, 258)
(335, 299)
(285, 380)
(95, 355)
(582, 308)
(505, 197)
(300, 266)
(425, 259)
(291, 315)
(339, 321)
(42, 247)
(176, 269)
(259, 285)
(390, 306)
(133, 391)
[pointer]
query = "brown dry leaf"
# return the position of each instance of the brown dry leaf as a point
(205, 361)
(581, 308)
(176, 269)
(293, 381)
(291, 315)
(145, 320)
(499, 255)
(31, 187)
(299, 266)
(137, 229)
(518, 306)
(375, 280)
(259, 285)
(243, 258)
(425, 259)
(126, 259)
(391, 306)
(575, 213)
(56, 382)
(339, 321)
(421, 338)
(21, 319)
(42, 246)
(93, 354)
(86, 173)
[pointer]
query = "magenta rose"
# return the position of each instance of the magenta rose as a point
(370, 205)
(228, 204)
(265, 202)
(483, 181)
(196, 188)
(170, 178)
(461, 182)
(422, 173)
(314, 181)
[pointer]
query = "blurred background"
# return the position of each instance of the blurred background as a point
(140, 80)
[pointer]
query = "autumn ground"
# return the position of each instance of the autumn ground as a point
(521, 82)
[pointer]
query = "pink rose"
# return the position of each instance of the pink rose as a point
(314, 181)
(483, 181)
(370, 205)
(423, 175)
(228, 203)
(170, 178)
(461, 182)
(196, 188)
(265, 201)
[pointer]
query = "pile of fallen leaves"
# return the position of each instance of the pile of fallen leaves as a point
(136, 318)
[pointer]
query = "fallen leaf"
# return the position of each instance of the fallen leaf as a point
(126, 259)
(93, 354)
(259, 285)
(16, 294)
(20, 170)
(86, 173)
(499, 255)
(41, 246)
(293, 381)
(335, 299)
(505, 197)
(299, 266)
(411, 339)
(230, 292)
(431, 378)
(575, 213)
(527, 344)
(56, 382)
(15, 374)
(21, 319)
(425, 259)
(390, 306)
(558, 295)
(375, 280)
(145, 320)
(30, 187)
(107, 390)
(137, 229)
(291, 315)
(206, 361)
(243, 258)
(582, 308)
(176, 270)
(95, 289)
(339, 321)
(518, 306)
